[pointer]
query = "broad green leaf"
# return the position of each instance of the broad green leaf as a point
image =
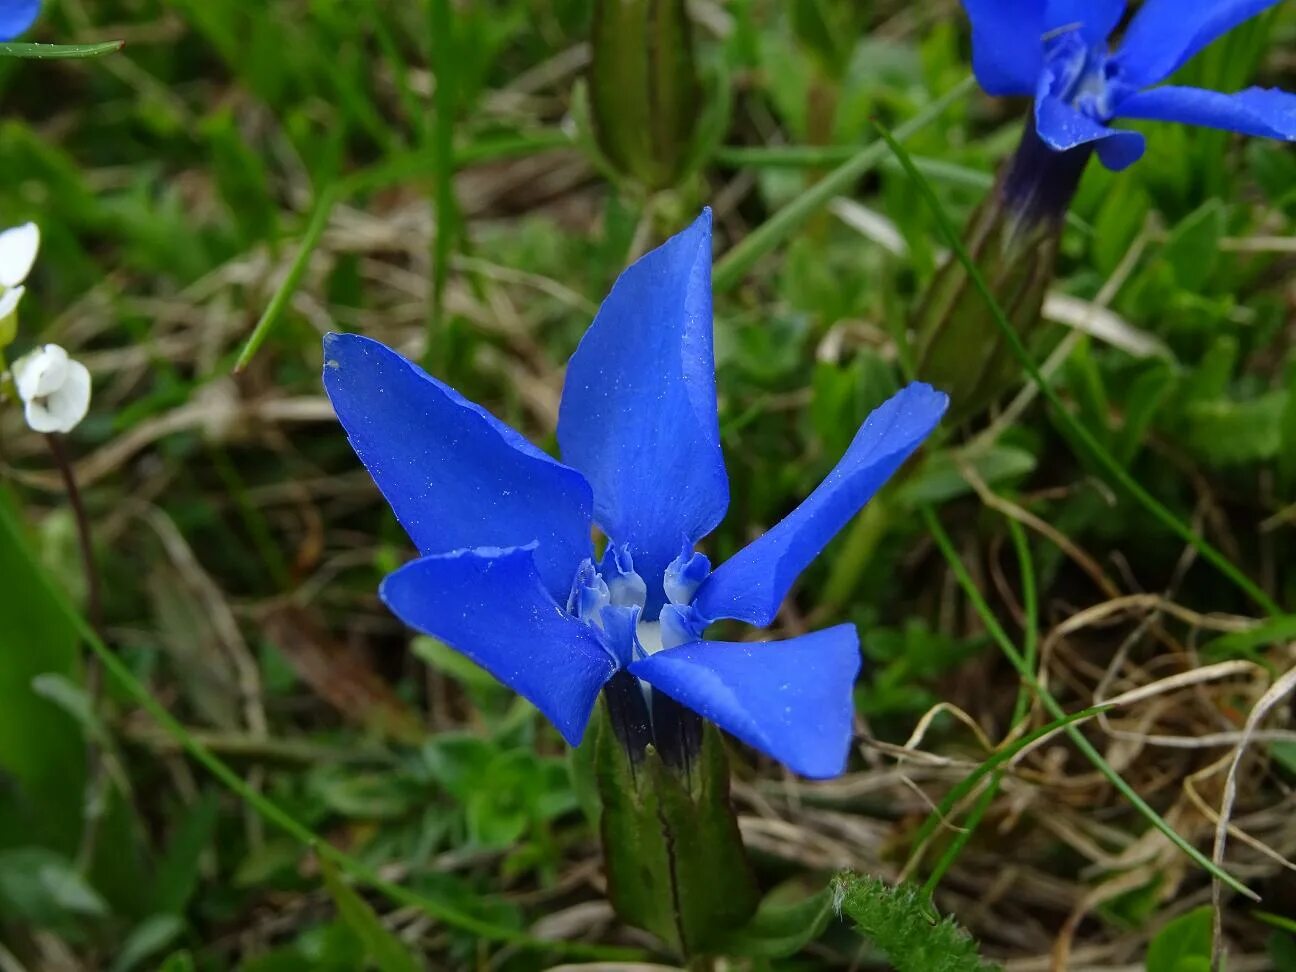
(387, 951)
(1184, 945)
(41, 745)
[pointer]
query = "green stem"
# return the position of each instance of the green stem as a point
(730, 269)
(1055, 709)
(1073, 425)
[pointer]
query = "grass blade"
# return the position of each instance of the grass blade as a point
(1055, 709)
(1073, 425)
(314, 230)
(730, 268)
(270, 811)
(52, 52)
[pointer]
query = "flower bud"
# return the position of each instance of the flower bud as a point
(645, 96)
(1013, 236)
(54, 388)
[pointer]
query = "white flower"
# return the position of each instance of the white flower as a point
(54, 388)
(18, 248)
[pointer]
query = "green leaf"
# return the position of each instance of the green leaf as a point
(896, 919)
(1282, 950)
(147, 938)
(177, 962)
(177, 874)
(781, 928)
(387, 951)
(45, 52)
(41, 746)
(1184, 945)
(1192, 249)
(44, 888)
(940, 479)
(1229, 433)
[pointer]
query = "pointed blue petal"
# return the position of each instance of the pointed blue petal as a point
(1095, 19)
(1266, 112)
(491, 605)
(1062, 127)
(1164, 34)
(455, 476)
(16, 16)
(751, 585)
(1007, 44)
(792, 699)
(638, 414)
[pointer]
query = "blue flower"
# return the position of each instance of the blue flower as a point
(1058, 52)
(507, 574)
(16, 16)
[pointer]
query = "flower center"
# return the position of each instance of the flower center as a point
(611, 597)
(1081, 75)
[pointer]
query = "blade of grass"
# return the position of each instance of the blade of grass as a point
(1073, 425)
(1030, 606)
(310, 239)
(1055, 709)
(271, 811)
(445, 218)
(407, 166)
(1030, 652)
(996, 759)
(730, 268)
(49, 52)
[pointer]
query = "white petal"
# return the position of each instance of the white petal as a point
(40, 372)
(70, 402)
(18, 248)
(9, 300)
(40, 418)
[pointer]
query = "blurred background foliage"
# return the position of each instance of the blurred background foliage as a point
(475, 198)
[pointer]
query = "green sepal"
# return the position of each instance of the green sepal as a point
(8, 331)
(959, 347)
(645, 94)
(675, 860)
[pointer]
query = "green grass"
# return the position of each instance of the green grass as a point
(240, 178)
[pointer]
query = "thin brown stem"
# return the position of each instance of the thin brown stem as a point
(96, 770)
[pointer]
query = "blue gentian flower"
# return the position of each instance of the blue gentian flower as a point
(1057, 51)
(507, 574)
(16, 16)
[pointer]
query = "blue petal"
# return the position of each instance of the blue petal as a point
(491, 605)
(1164, 34)
(1266, 112)
(1062, 127)
(16, 16)
(751, 585)
(455, 475)
(1007, 44)
(1095, 19)
(638, 414)
(792, 700)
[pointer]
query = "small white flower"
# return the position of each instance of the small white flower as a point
(9, 300)
(54, 388)
(18, 248)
